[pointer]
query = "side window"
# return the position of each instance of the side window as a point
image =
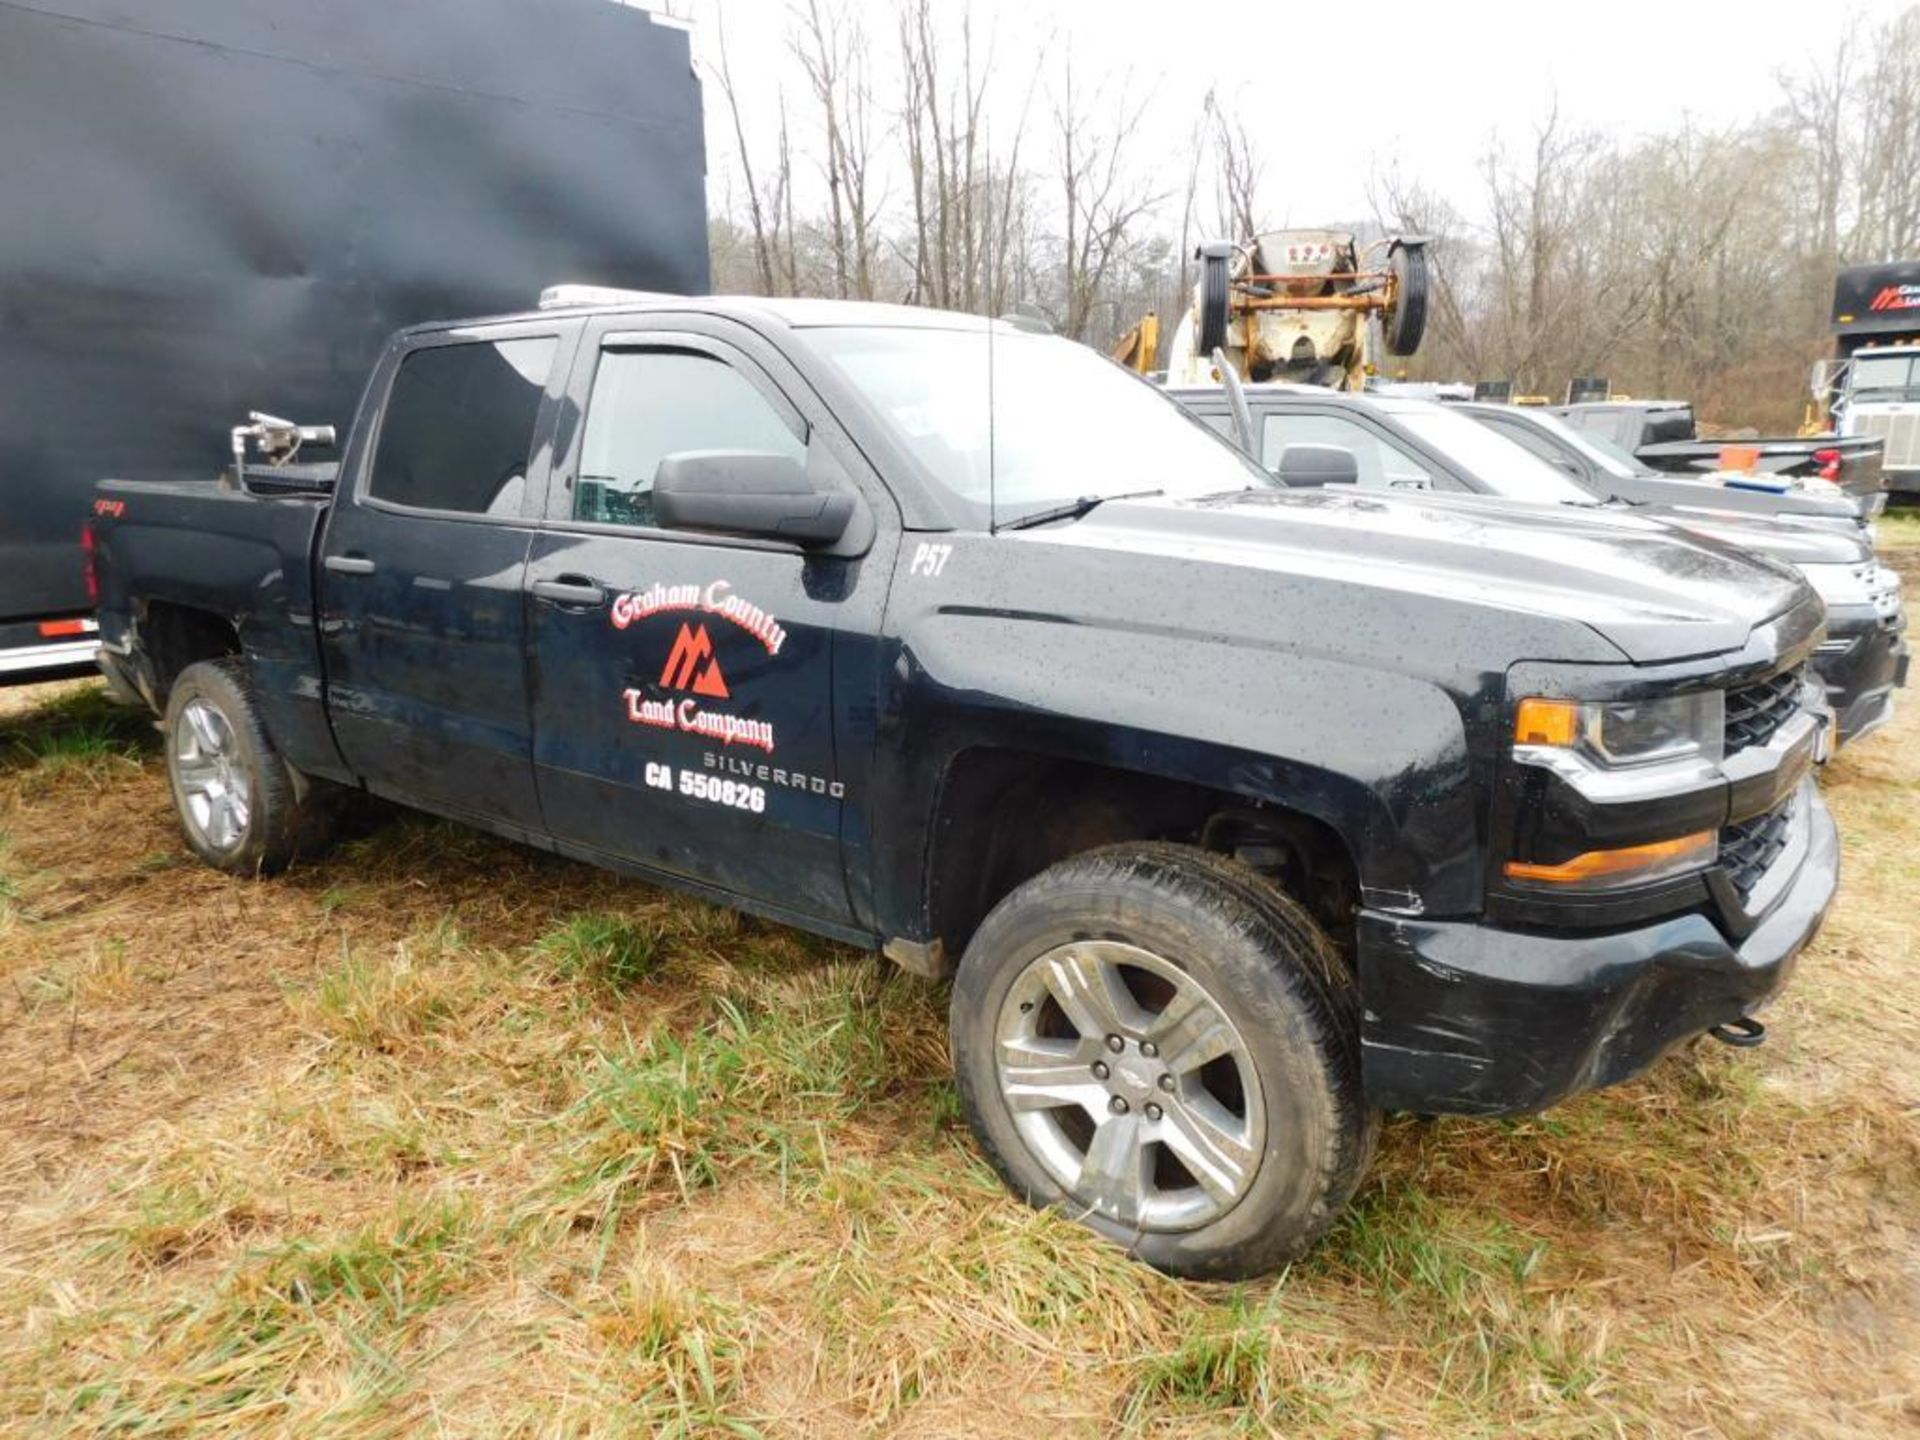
(458, 426)
(1382, 466)
(649, 404)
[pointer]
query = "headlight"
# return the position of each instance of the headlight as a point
(1621, 734)
(1622, 751)
(1842, 585)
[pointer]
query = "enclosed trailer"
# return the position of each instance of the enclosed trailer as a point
(212, 206)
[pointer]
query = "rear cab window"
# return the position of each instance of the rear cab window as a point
(457, 431)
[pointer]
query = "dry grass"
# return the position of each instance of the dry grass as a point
(442, 1134)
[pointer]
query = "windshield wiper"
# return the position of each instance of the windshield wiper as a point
(1074, 509)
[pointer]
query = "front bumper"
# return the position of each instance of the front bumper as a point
(1464, 1018)
(1861, 663)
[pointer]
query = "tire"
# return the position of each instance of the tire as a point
(1216, 263)
(1408, 324)
(1284, 1133)
(243, 809)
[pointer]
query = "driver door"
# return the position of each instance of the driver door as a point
(686, 705)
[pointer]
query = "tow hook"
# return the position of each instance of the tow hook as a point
(1743, 1033)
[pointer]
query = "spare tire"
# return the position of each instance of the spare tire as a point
(1216, 288)
(1408, 323)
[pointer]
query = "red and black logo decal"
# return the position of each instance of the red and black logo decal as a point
(692, 665)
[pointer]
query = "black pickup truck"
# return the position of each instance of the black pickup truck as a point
(1247, 814)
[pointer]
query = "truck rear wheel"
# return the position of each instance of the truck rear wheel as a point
(243, 808)
(1157, 1042)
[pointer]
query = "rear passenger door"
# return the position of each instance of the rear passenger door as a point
(703, 705)
(423, 628)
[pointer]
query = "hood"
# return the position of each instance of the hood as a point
(1785, 540)
(1651, 593)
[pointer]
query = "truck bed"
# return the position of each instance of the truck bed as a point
(1791, 457)
(206, 546)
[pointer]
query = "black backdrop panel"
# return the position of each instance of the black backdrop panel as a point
(211, 206)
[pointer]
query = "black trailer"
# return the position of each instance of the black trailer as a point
(1875, 305)
(214, 206)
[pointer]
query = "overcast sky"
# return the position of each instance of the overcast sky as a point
(1335, 93)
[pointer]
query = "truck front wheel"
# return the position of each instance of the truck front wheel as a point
(243, 808)
(1154, 1040)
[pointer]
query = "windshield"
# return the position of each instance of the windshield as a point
(1882, 375)
(1066, 422)
(1612, 458)
(1496, 462)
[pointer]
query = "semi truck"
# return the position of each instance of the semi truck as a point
(1871, 385)
(215, 200)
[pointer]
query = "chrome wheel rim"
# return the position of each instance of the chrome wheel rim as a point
(1130, 1086)
(214, 795)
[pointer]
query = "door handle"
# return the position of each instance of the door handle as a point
(349, 565)
(574, 591)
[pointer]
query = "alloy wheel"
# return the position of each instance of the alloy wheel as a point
(1130, 1086)
(213, 781)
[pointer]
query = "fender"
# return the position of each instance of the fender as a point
(1306, 733)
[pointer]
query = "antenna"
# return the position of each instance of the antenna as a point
(986, 256)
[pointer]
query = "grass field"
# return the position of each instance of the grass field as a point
(442, 1135)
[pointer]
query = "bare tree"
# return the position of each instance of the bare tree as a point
(830, 45)
(762, 249)
(1697, 260)
(1239, 176)
(1889, 144)
(1101, 199)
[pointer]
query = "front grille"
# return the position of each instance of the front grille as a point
(1902, 435)
(1748, 849)
(1756, 711)
(1898, 433)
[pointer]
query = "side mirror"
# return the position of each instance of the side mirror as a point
(747, 492)
(1309, 465)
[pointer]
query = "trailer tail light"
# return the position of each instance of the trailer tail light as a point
(91, 561)
(1828, 459)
